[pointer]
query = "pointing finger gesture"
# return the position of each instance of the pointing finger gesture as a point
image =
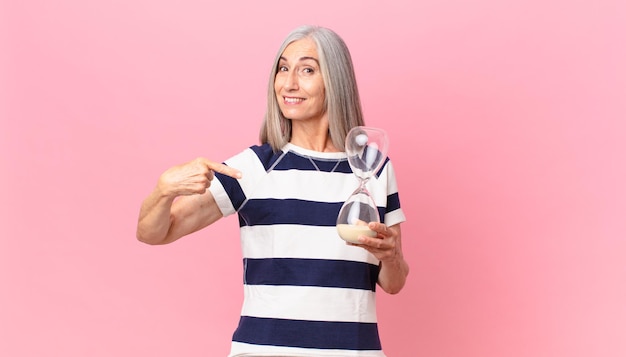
(193, 177)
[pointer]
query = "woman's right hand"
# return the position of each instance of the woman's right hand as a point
(193, 177)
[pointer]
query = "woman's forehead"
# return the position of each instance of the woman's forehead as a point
(304, 48)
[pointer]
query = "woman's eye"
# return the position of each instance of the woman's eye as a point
(308, 70)
(282, 68)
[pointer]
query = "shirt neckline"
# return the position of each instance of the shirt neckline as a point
(312, 153)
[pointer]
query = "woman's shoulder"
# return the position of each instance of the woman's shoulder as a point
(263, 150)
(260, 156)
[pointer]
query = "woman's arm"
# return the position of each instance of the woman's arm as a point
(181, 204)
(387, 247)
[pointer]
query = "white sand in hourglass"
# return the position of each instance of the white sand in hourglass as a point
(350, 232)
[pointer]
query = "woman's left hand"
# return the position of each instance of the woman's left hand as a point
(385, 245)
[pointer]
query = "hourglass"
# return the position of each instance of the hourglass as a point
(366, 148)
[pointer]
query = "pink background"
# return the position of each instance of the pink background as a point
(508, 129)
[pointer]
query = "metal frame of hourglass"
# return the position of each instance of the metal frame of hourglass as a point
(366, 148)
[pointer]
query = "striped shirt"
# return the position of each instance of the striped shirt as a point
(306, 293)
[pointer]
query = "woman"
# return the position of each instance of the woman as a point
(306, 292)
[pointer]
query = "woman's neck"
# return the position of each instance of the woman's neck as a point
(316, 138)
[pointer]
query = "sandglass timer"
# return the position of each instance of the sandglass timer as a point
(366, 148)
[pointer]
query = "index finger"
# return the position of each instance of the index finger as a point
(223, 169)
(381, 228)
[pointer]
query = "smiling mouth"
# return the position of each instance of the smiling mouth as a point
(291, 100)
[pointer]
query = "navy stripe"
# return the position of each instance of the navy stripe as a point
(393, 202)
(381, 214)
(308, 334)
(266, 155)
(233, 189)
(289, 211)
(311, 272)
(328, 166)
(294, 161)
(363, 161)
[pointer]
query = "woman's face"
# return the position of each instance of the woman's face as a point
(299, 85)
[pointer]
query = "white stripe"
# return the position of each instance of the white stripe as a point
(313, 186)
(239, 349)
(303, 185)
(313, 303)
(390, 177)
(394, 217)
(315, 154)
(308, 242)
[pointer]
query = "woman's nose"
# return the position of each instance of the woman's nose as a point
(291, 82)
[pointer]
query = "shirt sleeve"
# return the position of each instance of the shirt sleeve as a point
(231, 194)
(393, 211)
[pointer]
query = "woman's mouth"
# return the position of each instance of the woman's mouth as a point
(293, 100)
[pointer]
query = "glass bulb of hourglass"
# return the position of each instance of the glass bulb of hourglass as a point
(366, 149)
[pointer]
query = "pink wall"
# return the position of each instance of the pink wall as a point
(507, 121)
